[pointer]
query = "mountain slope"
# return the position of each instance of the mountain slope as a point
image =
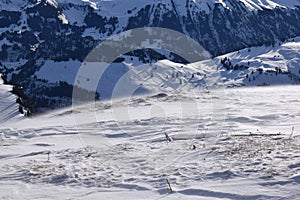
(9, 109)
(38, 33)
(91, 152)
(266, 65)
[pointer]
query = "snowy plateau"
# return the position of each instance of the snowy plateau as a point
(224, 127)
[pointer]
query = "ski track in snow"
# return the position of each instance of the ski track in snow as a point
(254, 156)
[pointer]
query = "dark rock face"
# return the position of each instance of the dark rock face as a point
(44, 36)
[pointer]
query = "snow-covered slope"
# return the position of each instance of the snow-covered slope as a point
(9, 109)
(270, 4)
(275, 64)
(96, 152)
(121, 7)
(126, 9)
(37, 34)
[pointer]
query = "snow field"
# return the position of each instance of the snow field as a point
(255, 155)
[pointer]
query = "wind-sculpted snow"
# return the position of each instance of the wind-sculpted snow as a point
(255, 156)
(35, 35)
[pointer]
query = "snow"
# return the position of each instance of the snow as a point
(52, 2)
(120, 7)
(125, 9)
(74, 11)
(62, 17)
(88, 152)
(95, 33)
(290, 3)
(285, 56)
(12, 5)
(133, 76)
(59, 71)
(9, 109)
(240, 143)
(75, 15)
(270, 4)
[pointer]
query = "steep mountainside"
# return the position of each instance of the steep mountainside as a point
(35, 33)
